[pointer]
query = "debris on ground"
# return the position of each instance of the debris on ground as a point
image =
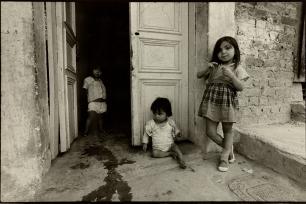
(250, 171)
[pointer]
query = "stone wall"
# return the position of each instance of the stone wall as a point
(267, 35)
(25, 153)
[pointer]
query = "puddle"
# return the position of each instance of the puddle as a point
(80, 166)
(114, 182)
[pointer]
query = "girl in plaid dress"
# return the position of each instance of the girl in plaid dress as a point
(219, 103)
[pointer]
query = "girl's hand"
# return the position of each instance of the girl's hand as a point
(227, 71)
(212, 64)
(144, 147)
(178, 137)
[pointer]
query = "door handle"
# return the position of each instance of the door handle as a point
(136, 33)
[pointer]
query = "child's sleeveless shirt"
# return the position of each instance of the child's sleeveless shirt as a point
(162, 134)
(220, 102)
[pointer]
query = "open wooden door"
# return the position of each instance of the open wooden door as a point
(67, 84)
(159, 55)
(53, 78)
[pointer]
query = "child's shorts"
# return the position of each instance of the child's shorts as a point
(98, 107)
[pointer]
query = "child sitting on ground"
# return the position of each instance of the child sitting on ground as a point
(163, 131)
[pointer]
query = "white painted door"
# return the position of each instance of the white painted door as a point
(53, 78)
(159, 55)
(67, 87)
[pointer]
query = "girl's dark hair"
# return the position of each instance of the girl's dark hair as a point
(161, 104)
(96, 67)
(231, 41)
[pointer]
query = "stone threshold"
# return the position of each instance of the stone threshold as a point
(280, 147)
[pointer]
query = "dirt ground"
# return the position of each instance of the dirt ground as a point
(107, 168)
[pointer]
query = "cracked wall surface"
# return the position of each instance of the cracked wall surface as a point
(24, 109)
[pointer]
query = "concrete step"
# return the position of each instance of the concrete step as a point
(280, 147)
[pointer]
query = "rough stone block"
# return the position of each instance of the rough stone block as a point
(288, 21)
(254, 101)
(263, 100)
(298, 111)
(275, 83)
(252, 61)
(260, 14)
(260, 23)
(269, 92)
(251, 92)
(267, 153)
(271, 63)
(262, 54)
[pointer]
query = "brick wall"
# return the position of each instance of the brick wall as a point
(267, 35)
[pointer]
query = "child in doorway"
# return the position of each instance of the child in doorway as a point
(163, 131)
(96, 97)
(219, 103)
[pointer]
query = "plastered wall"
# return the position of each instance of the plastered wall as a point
(24, 108)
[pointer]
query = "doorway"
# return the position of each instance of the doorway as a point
(102, 31)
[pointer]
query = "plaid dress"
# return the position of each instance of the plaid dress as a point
(220, 101)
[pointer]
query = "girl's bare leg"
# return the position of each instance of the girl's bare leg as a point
(101, 122)
(89, 120)
(211, 131)
(228, 140)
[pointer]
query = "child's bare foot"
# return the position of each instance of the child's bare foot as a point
(182, 164)
(173, 155)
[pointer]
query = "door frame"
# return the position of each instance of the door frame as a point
(59, 114)
(53, 79)
(191, 69)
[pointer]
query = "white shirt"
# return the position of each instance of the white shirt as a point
(162, 134)
(96, 88)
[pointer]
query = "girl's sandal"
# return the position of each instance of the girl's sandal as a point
(223, 166)
(232, 159)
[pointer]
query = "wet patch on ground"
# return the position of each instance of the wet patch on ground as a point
(114, 181)
(80, 166)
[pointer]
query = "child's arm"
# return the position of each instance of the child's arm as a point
(206, 70)
(145, 140)
(176, 133)
(85, 87)
(236, 82)
(177, 136)
(147, 133)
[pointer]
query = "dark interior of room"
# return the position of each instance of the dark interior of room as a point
(102, 31)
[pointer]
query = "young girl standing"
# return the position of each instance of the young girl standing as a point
(219, 103)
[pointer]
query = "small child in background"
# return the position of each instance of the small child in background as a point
(96, 97)
(163, 131)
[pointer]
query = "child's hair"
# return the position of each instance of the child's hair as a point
(96, 67)
(231, 41)
(161, 104)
